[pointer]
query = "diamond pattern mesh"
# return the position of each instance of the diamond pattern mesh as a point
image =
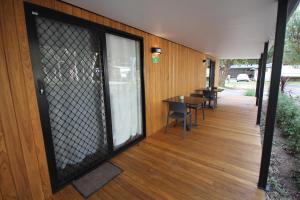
(73, 83)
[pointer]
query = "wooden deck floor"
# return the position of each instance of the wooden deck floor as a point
(218, 160)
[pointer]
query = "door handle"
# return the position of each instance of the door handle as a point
(41, 87)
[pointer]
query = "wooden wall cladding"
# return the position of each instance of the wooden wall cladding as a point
(23, 165)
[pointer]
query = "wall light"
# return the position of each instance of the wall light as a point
(155, 54)
(156, 50)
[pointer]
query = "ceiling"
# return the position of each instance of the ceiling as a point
(223, 28)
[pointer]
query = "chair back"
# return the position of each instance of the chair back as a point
(208, 93)
(177, 107)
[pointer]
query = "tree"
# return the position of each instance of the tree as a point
(292, 40)
(225, 65)
(283, 83)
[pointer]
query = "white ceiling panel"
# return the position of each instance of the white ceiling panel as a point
(224, 28)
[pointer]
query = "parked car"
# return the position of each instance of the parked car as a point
(242, 77)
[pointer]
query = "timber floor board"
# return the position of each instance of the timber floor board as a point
(219, 159)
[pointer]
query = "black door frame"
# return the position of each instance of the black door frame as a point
(212, 68)
(31, 11)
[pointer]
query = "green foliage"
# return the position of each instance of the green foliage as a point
(297, 179)
(291, 54)
(297, 171)
(229, 62)
(288, 120)
(292, 40)
(294, 138)
(249, 92)
(276, 186)
(286, 113)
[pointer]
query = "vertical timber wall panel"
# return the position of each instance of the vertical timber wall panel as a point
(7, 185)
(23, 163)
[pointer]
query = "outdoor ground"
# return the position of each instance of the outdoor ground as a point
(240, 88)
(233, 84)
(282, 168)
(293, 87)
(282, 171)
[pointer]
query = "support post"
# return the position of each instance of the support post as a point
(258, 80)
(264, 57)
(273, 95)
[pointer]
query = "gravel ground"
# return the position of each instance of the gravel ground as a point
(282, 168)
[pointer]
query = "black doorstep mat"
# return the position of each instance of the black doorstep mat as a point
(96, 179)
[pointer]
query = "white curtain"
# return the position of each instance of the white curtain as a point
(123, 60)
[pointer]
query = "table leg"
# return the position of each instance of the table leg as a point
(216, 99)
(196, 118)
(203, 114)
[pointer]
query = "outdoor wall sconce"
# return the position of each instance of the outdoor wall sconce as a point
(155, 50)
(155, 54)
(206, 62)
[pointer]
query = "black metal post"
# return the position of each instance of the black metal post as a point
(264, 57)
(258, 80)
(273, 95)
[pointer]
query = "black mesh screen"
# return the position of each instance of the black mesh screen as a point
(73, 82)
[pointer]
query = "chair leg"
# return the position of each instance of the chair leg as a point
(196, 116)
(191, 122)
(176, 122)
(216, 102)
(184, 128)
(166, 129)
(203, 114)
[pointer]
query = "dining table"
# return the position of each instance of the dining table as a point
(189, 101)
(215, 89)
(200, 91)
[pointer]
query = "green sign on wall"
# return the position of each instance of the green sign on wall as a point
(155, 59)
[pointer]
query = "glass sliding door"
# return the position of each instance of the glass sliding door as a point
(125, 89)
(210, 73)
(90, 91)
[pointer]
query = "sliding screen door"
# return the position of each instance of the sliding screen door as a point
(125, 88)
(70, 75)
(70, 90)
